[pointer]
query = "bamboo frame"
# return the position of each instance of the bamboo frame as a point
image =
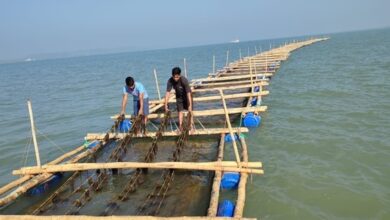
(234, 72)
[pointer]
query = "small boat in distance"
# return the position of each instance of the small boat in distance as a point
(235, 41)
(29, 59)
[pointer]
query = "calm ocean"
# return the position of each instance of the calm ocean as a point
(324, 142)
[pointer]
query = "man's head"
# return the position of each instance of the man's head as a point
(176, 73)
(130, 82)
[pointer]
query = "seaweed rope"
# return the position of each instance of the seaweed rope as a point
(156, 198)
(134, 179)
(115, 155)
(54, 197)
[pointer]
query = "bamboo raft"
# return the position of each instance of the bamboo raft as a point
(236, 81)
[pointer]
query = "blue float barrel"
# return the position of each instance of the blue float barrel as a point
(225, 209)
(230, 180)
(254, 101)
(45, 186)
(229, 138)
(124, 126)
(91, 145)
(251, 120)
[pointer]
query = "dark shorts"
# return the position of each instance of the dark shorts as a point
(182, 104)
(136, 106)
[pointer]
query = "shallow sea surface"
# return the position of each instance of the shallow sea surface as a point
(324, 141)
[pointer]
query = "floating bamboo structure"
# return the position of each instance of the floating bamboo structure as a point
(221, 86)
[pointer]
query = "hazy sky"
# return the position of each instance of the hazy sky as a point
(28, 28)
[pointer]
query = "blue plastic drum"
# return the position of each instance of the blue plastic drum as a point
(225, 209)
(230, 180)
(251, 120)
(124, 126)
(229, 138)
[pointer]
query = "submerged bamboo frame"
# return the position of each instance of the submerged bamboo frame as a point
(237, 75)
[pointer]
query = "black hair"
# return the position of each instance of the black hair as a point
(129, 81)
(176, 71)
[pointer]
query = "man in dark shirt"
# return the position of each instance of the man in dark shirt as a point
(183, 94)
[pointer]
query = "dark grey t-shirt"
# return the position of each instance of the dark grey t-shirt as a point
(181, 87)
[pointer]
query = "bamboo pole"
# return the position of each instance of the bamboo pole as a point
(231, 83)
(240, 203)
(250, 73)
(157, 86)
(261, 83)
(214, 197)
(213, 64)
(230, 130)
(227, 58)
(213, 98)
(185, 68)
(225, 166)
(157, 107)
(208, 131)
(14, 183)
(42, 177)
(33, 133)
(206, 113)
(226, 78)
(23, 179)
(22, 189)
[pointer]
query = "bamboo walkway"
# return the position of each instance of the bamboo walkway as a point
(251, 74)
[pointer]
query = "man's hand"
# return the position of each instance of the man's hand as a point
(122, 113)
(166, 108)
(190, 108)
(141, 112)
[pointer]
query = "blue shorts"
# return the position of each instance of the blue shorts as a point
(136, 105)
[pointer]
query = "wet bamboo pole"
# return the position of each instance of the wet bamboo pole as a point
(226, 78)
(214, 198)
(227, 58)
(207, 113)
(42, 177)
(226, 166)
(240, 203)
(214, 98)
(25, 178)
(185, 67)
(157, 86)
(33, 133)
(230, 83)
(214, 64)
(206, 131)
(232, 134)
(261, 83)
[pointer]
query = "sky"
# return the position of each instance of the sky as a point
(38, 27)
